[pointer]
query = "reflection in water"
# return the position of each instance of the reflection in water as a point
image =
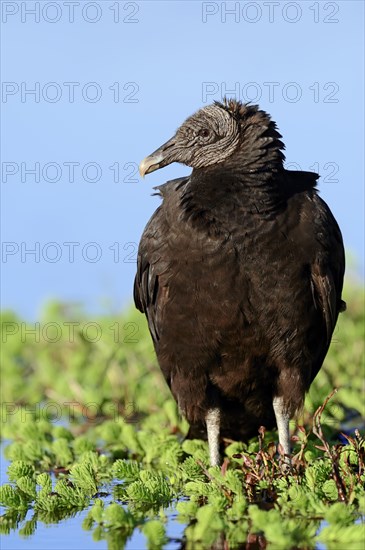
(253, 542)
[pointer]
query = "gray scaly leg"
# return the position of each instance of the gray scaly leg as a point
(213, 424)
(282, 420)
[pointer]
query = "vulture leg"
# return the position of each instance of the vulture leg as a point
(282, 421)
(213, 423)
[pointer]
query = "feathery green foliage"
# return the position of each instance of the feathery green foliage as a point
(89, 424)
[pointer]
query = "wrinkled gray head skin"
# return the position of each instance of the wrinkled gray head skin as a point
(230, 134)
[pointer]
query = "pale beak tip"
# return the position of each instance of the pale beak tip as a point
(143, 167)
(150, 164)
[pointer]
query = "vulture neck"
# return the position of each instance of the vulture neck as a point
(255, 190)
(250, 177)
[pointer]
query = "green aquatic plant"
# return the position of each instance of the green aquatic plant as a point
(91, 431)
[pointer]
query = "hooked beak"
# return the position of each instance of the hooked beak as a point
(157, 160)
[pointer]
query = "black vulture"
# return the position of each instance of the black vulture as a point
(239, 274)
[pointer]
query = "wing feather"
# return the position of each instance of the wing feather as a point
(327, 271)
(151, 281)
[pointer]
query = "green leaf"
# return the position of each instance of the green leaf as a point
(127, 470)
(155, 533)
(329, 488)
(344, 535)
(62, 452)
(97, 511)
(44, 480)
(18, 469)
(116, 516)
(27, 485)
(209, 525)
(340, 514)
(84, 476)
(11, 498)
(187, 509)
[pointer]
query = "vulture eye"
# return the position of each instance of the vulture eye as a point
(204, 132)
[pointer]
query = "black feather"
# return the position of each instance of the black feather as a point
(240, 274)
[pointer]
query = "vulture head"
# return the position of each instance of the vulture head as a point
(231, 135)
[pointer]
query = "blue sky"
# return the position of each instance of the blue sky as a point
(113, 80)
